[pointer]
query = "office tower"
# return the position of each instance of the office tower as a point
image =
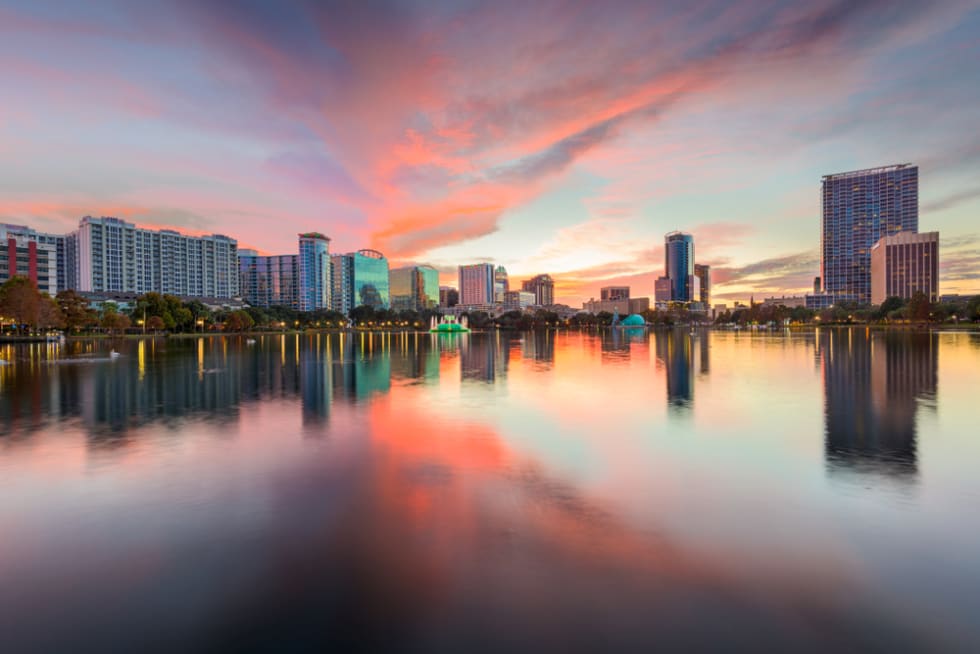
(816, 285)
(414, 288)
(518, 300)
(360, 279)
(500, 284)
(904, 264)
(679, 266)
(315, 289)
(543, 288)
(476, 284)
(27, 253)
(113, 255)
(448, 297)
(269, 281)
(661, 290)
(859, 209)
(613, 293)
(703, 274)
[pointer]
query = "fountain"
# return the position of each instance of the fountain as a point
(448, 325)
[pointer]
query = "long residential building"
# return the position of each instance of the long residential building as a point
(27, 253)
(113, 255)
(860, 208)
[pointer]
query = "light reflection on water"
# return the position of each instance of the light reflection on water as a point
(492, 492)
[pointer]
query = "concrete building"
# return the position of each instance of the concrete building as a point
(662, 289)
(860, 208)
(624, 307)
(476, 284)
(315, 282)
(114, 255)
(904, 264)
(543, 287)
(784, 301)
(27, 253)
(703, 274)
(518, 300)
(614, 293)
(360, 279)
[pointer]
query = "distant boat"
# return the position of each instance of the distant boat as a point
(249, 341)
(113, 354)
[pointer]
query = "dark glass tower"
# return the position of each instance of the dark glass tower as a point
(859, 208)
(679, 265)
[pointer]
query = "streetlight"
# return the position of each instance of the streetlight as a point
(200, 324)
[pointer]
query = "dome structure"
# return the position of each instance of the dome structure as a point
(633, 320)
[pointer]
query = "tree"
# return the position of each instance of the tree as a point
(77, 313)
(238, 321)
(21, 301)
(890, 304)
(155, 324)
(363, 314)
(49, 314)
(113, 321)
(920, 307)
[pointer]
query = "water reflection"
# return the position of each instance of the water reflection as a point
(874, 383)
(498, 492)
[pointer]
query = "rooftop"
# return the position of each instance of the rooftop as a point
(869, 171)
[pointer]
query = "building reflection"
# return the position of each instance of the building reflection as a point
(539, 346)
(675, 349)
(873, 385)
(484, 359)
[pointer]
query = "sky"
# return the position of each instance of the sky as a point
(548, 137)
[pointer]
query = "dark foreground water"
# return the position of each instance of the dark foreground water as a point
(537, 492)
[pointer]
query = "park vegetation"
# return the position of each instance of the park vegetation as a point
(25, 311)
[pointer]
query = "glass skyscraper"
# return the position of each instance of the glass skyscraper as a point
(360, 278)
(314, 272)
(414, 288)
(679, 266)
(269, 281)
(859, 208)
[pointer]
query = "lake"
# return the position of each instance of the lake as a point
(550, 491)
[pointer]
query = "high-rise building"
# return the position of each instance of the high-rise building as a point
(904, 264)
(543, 287)
(500, 284)
(518, 300)
(703, 274)
(315, 283)
(448, 297)
(860, 208)
(114, 255)
(476, 284)
(360, 278)
(27, 253)
(679, 266)
(612, 293)
(414, 288)
(661, 290)
(816, 285)
(269, 281)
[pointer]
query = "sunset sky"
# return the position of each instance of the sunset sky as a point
(559, 137)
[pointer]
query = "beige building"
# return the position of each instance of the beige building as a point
(903, 264)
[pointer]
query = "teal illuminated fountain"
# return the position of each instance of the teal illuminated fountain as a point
(448, 325)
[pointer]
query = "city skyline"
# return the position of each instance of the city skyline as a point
(403, 130)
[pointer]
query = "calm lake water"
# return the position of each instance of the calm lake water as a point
(537, 492)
